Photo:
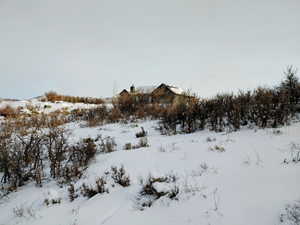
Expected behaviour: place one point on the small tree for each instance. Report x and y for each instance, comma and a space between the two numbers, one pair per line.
290, 86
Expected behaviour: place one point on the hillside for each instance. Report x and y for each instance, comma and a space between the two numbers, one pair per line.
239, 178
42, 107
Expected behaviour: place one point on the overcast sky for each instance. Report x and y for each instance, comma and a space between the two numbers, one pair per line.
88, 47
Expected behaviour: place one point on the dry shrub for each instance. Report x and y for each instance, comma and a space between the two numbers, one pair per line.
9, 112
217, 148
96, 116
54, 97
77, 158
291, 214
107, 144
128, 146
21, 154
90, 191
32, 109
72, 192
26, 146
54, 201
115, 115
119, 176
263, 107
150, 191
143, 133
143, 143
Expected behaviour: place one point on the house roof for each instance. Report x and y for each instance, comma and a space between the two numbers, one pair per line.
124, 90
146, 89
176, 90
150, 88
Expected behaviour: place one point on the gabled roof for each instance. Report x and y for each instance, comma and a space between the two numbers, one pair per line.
124, 91
176, 90
146, 89
173, 89
151, 88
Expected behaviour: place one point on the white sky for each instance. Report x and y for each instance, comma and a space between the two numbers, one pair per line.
83, 47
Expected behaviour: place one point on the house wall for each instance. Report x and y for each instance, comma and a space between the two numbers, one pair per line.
163, 95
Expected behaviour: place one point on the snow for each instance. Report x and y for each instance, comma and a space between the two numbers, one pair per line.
245, 184
45, 107
176, 90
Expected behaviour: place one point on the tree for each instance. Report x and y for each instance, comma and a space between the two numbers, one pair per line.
290, 86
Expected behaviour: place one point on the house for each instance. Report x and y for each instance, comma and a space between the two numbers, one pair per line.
167, 94
154, 94
124, 93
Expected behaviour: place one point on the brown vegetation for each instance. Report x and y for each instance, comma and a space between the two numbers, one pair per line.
55, 97
263, 107
9, 112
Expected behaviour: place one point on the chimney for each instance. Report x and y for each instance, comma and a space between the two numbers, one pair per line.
132, 89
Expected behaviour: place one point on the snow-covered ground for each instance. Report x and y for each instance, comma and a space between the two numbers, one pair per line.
234, 178
45, 107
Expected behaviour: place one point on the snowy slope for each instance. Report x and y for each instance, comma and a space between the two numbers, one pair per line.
45, 107
245, 184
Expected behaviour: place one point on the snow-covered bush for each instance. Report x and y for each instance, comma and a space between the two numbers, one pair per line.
90, 191
128, 146
154, 188
27, 144
21, 154
217, 148
209, 139
52, 198
72, 192
142, 133
23, 211
107, 145
77, 158
119, 176
291, 214
294, 156
143, 142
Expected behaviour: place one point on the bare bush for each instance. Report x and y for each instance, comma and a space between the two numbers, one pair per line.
143, 143
21, 154
9, 112
156, 187
209, 139
119, 176
19, 211
294, 154
263, 107
54, 97
27, 144
72, 192
22, 211
53, 201
57, 146
291, 214
99, 188
78, 157
143, 133
217, 148
128, 146
107, 144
